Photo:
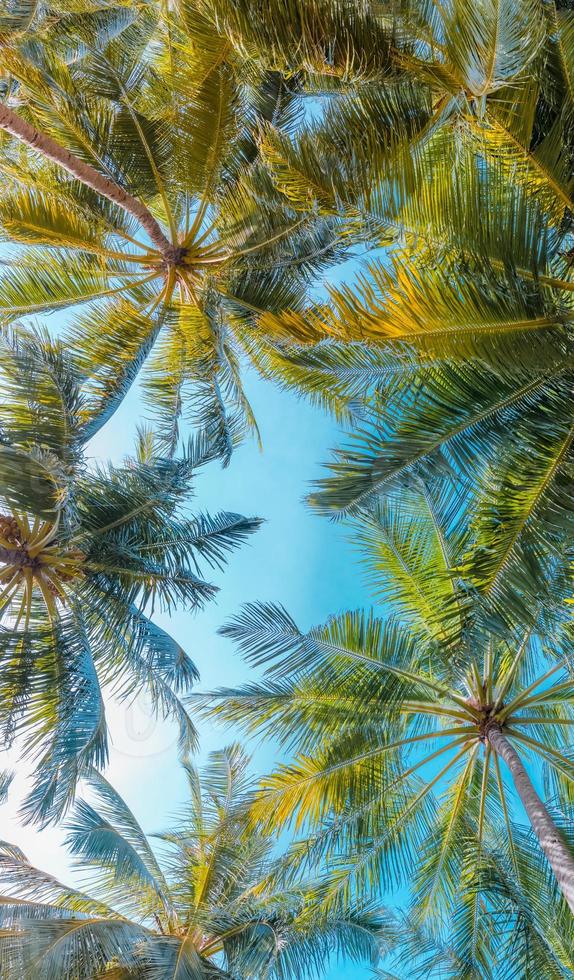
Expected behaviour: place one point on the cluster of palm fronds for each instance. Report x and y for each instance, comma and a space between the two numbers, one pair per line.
177, 177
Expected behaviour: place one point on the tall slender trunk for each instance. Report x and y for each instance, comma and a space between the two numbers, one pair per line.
12, 123
549, 837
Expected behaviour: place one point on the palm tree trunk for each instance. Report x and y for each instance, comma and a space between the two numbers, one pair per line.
12, 123
549, 837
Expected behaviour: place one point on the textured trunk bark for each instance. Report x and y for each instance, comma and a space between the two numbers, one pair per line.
559, 856
12, 123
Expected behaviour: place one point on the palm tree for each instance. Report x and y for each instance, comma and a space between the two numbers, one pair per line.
135, 199
459, 165
437, 697
85, 552
203, 906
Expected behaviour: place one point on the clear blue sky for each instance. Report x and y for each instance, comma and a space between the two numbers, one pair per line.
302, 560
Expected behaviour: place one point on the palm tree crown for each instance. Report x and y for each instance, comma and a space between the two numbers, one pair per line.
204, 907
137, 200
78, 576
407, 727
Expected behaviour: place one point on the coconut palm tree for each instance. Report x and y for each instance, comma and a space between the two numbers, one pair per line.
134, 199
85, 553
411, 727
460, 166
202, 906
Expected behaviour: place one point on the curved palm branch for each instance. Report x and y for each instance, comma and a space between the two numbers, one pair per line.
481, 351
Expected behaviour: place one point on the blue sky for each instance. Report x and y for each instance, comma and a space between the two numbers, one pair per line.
298, 558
